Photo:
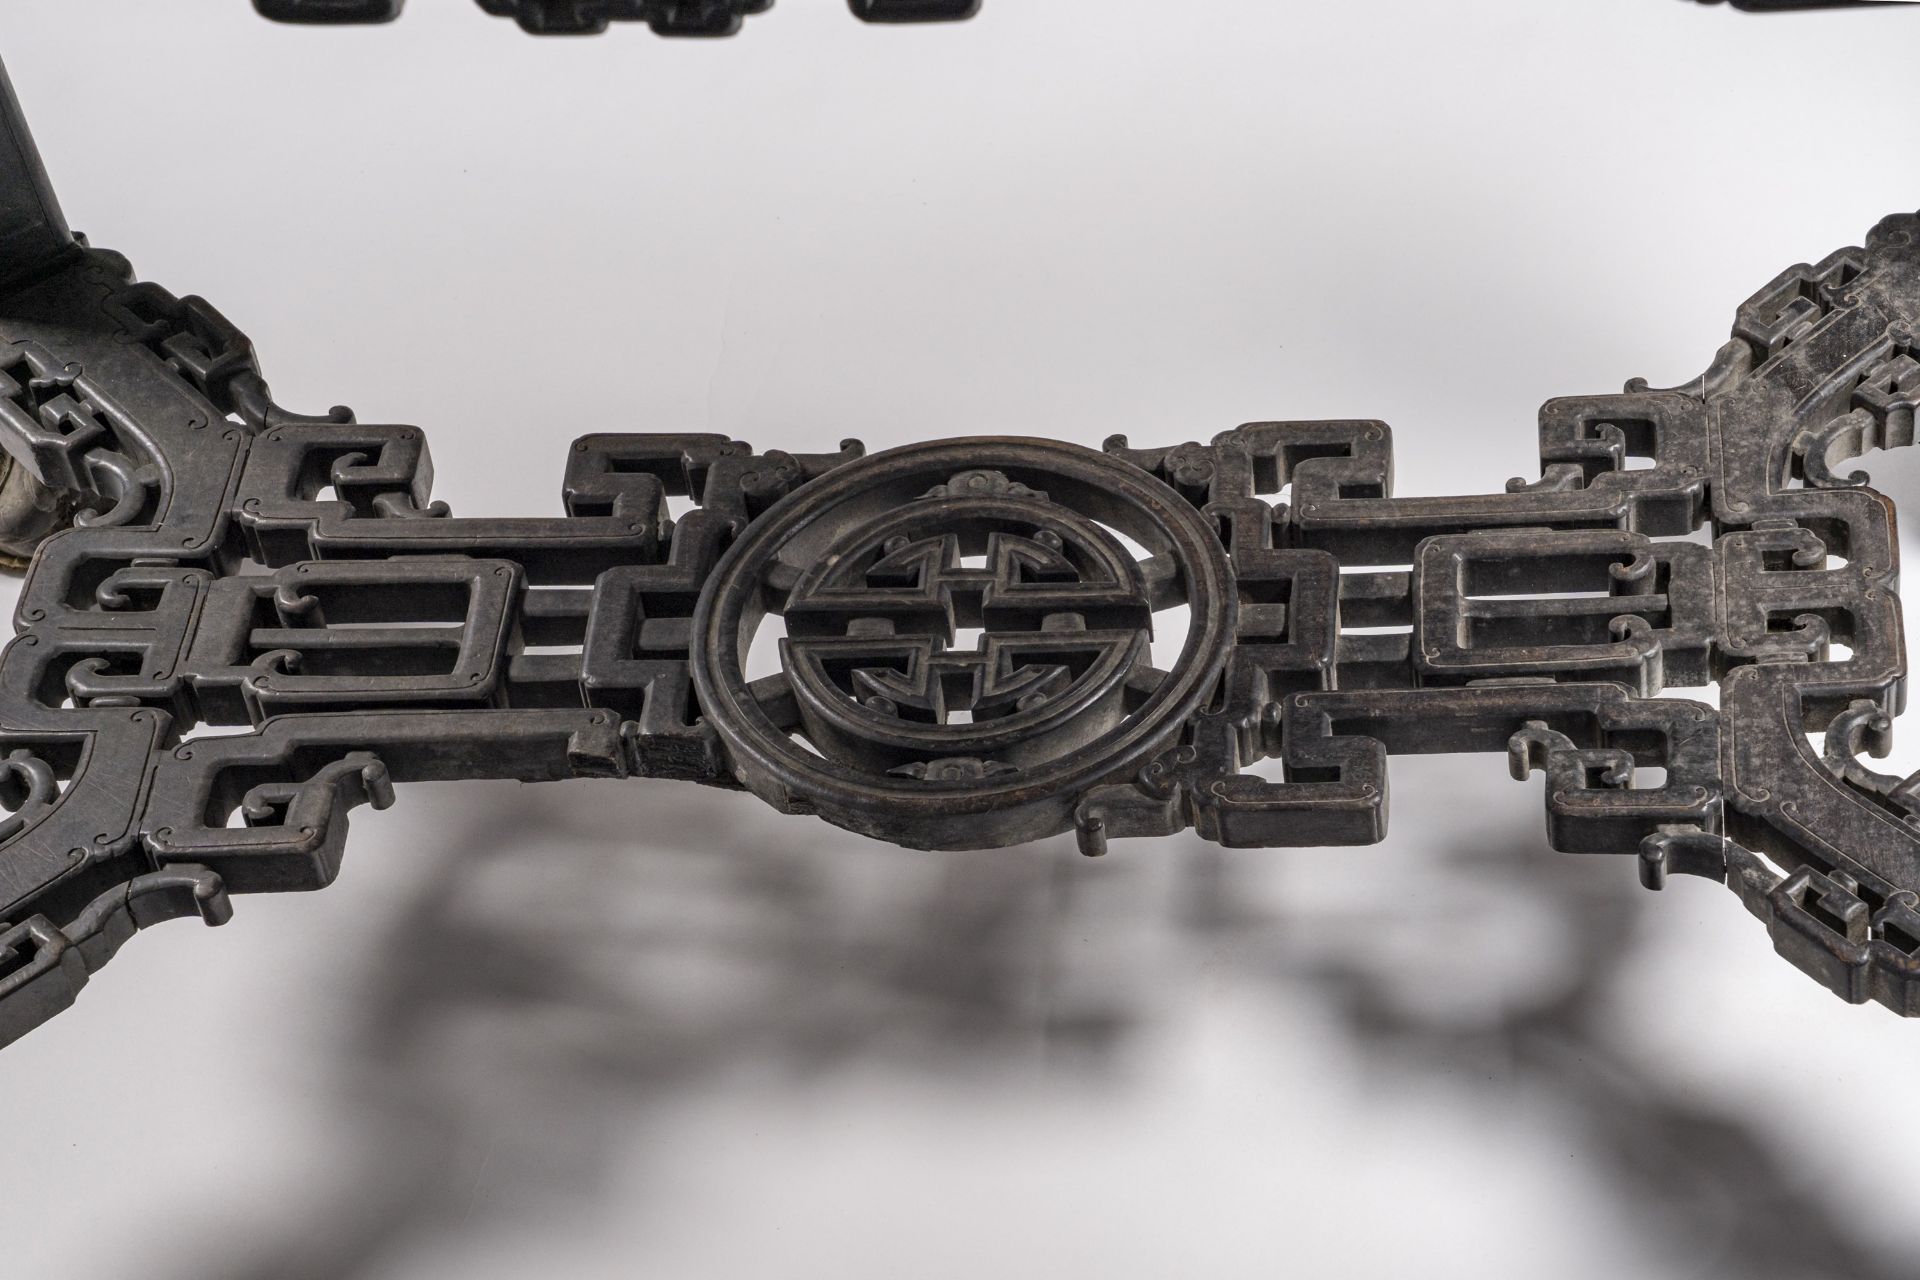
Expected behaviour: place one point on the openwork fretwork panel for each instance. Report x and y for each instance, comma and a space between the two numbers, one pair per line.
962, 643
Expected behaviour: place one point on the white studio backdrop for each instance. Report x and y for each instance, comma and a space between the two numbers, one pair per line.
600, 1030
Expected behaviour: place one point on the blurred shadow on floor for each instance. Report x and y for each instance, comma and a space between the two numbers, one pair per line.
565, 976
566, 968
1707, 1182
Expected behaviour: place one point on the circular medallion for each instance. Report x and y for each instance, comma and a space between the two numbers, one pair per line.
967, 638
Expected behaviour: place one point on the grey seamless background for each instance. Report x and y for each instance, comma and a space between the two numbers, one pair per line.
599, 1030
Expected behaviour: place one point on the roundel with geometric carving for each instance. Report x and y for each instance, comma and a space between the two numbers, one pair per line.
967, 638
